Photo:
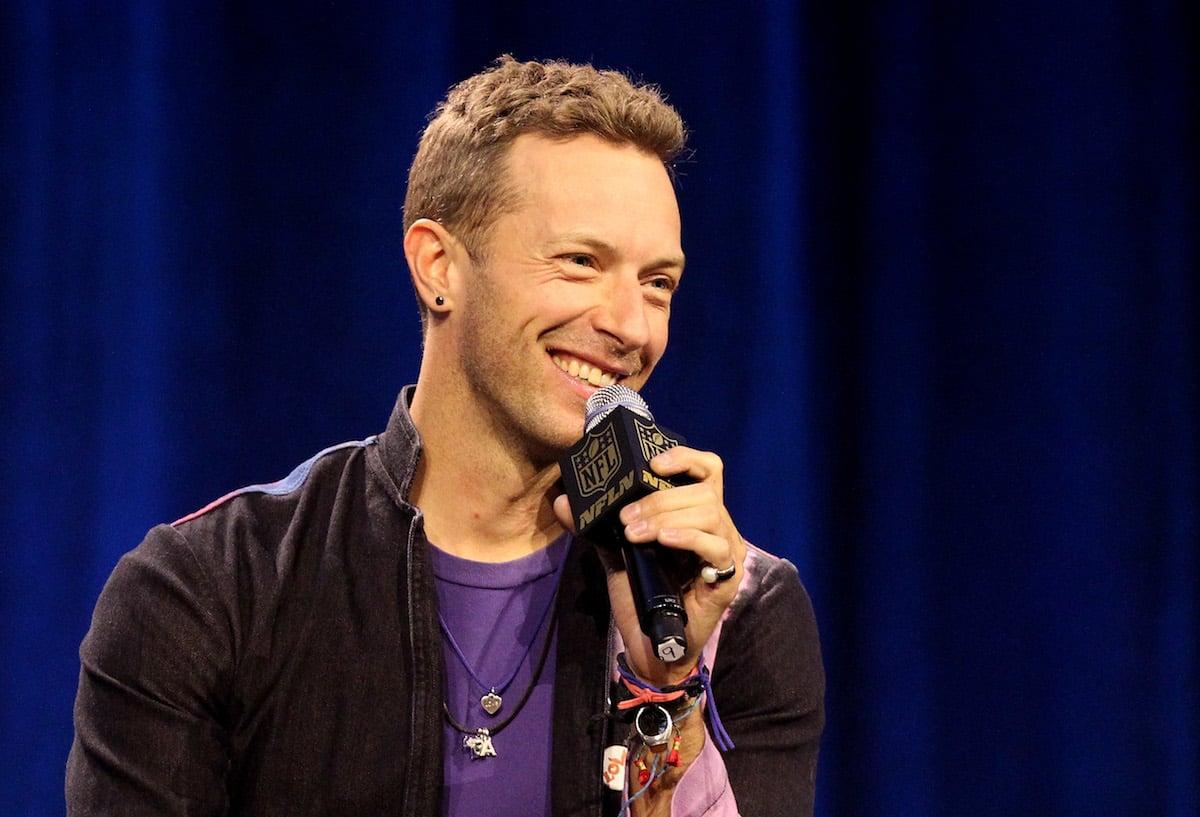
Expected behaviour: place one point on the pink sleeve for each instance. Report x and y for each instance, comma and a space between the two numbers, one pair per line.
704, 789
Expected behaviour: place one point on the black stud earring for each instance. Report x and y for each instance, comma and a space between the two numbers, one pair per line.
440, 301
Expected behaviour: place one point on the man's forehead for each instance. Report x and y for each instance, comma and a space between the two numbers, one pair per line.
593, 190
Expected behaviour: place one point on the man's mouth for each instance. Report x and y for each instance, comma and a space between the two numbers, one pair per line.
587, 372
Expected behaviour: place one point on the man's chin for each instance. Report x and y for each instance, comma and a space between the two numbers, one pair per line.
549, 449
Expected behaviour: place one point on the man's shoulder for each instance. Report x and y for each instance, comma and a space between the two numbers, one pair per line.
246, 557
265, 528
309, 476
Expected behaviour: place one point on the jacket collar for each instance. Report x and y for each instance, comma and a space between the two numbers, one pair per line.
400, 445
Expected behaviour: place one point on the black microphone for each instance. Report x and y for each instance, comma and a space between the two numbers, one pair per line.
604, 472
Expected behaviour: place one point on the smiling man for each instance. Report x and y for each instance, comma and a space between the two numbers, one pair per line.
408, 624
572, 291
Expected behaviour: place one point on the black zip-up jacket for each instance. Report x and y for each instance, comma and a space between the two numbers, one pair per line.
278, 653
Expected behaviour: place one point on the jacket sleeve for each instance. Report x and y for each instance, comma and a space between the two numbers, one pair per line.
155, 665
769, 691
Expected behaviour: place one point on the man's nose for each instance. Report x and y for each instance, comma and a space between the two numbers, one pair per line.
623, 314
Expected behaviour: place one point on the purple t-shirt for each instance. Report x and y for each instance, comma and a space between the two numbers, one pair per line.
493, 611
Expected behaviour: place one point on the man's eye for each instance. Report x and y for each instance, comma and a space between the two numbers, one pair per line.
580, 260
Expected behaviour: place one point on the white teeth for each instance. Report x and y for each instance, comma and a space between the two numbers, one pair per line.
593, 375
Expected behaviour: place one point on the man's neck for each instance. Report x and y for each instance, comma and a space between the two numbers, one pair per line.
476, 514
480, 500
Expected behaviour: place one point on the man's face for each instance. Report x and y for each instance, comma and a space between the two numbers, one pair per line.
576, 290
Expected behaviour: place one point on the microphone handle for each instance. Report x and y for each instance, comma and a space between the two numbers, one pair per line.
657, 601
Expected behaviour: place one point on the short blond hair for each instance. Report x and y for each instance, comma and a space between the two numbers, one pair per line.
458, 177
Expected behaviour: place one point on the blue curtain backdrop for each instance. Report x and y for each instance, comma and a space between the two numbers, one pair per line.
940, 318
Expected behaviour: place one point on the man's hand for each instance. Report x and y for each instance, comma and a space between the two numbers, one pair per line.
690, 517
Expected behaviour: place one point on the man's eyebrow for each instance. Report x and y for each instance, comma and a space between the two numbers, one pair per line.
585, 239
673, 261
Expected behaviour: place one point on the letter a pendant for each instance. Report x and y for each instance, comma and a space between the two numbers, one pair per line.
479, 744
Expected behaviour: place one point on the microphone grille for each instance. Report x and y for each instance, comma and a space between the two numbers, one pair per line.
602, 403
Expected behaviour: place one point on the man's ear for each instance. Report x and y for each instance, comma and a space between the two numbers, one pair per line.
433, 256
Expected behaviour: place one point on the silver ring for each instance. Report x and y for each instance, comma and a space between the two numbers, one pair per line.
713, 576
